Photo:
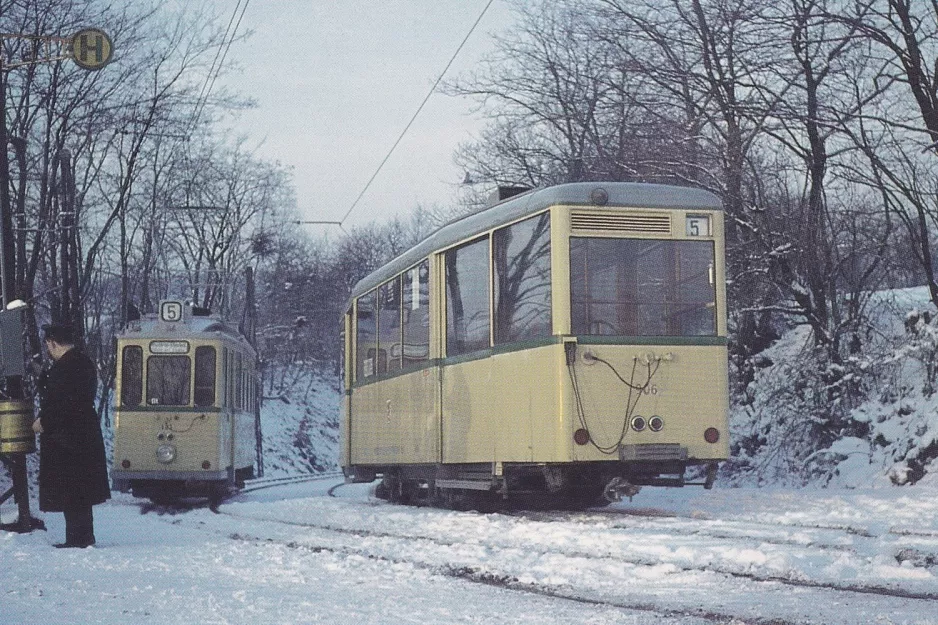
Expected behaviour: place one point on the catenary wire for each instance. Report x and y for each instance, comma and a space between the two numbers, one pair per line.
218, 63
414, 117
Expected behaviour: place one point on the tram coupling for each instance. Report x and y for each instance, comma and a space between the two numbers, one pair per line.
619, 487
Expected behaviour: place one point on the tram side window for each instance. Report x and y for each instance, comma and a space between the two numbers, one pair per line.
521, 254
236, 374
132, 375
168, 380
416, 315
467, 297
366, 343
225, 368
642, 287
245, 390
389, 326
204, 375
344, 355
252, 390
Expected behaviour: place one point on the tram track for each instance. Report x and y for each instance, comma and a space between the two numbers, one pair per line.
582, 518
617, 559
512, 581
274, 482
829, 537
508, 582
916, 547
852, 530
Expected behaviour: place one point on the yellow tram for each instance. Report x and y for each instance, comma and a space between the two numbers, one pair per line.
564, 346
186, 422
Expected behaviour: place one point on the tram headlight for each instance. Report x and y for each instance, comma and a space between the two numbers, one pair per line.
166, 453
638, 423
656, 424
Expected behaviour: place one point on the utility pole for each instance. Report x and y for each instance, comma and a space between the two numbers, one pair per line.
249, 330
90, 49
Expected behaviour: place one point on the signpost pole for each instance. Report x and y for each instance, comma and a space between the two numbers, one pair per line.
90, 49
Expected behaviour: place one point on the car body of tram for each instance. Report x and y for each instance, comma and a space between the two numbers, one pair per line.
186, 422
566, 345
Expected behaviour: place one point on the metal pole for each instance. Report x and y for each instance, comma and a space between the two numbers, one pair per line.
6, 218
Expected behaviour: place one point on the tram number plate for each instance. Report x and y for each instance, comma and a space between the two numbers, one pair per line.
171, 311
697, 226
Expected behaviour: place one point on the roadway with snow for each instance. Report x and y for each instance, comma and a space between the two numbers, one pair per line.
293, 554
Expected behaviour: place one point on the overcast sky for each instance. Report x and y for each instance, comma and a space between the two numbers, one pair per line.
337, 81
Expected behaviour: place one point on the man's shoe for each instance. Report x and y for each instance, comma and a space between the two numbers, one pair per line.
68, 545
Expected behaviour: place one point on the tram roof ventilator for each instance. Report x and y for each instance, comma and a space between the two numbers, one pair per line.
503, 193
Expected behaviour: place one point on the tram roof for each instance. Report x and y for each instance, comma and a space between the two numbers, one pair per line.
195, 327
621, 195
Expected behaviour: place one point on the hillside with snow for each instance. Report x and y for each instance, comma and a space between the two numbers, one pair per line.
871, 420
301, 427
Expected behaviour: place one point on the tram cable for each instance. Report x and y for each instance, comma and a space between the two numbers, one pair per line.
218, 62
416, 113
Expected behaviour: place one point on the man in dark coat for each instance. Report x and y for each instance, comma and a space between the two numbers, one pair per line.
72, 462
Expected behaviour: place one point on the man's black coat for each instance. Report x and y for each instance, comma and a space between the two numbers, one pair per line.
72, 463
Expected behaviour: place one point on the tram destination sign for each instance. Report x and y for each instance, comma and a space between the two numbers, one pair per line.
91, 48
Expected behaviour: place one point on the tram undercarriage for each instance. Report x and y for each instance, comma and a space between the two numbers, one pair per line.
487, 487
170, 489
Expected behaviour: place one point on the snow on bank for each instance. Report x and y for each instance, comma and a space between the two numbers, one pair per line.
301, 428
876, 412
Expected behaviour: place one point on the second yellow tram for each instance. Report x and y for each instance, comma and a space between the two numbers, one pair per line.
186, 422
567, 345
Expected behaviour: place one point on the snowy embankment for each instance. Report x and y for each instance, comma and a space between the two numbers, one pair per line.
871, 420
295, 555
301, 428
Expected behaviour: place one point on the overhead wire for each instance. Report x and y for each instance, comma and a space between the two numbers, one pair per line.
219, 61
416, 113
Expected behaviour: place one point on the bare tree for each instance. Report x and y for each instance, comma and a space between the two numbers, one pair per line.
225, 201
904, 38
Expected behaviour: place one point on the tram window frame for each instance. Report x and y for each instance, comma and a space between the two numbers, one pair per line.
389, 341
131, 376
521, 263
645, 303
239, 387
229, 381
415, 315
226, 397
204, 387
244, 384
156, 373
465, 335
366, 351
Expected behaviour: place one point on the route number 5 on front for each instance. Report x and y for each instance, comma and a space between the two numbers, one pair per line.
698, 226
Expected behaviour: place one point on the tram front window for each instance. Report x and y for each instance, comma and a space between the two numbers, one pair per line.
168, 380
641, 287
132, 376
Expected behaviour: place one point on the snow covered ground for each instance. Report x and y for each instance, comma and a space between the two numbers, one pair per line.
294, 554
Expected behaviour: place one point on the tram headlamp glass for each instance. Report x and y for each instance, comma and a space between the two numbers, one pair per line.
166, 453
638, 423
